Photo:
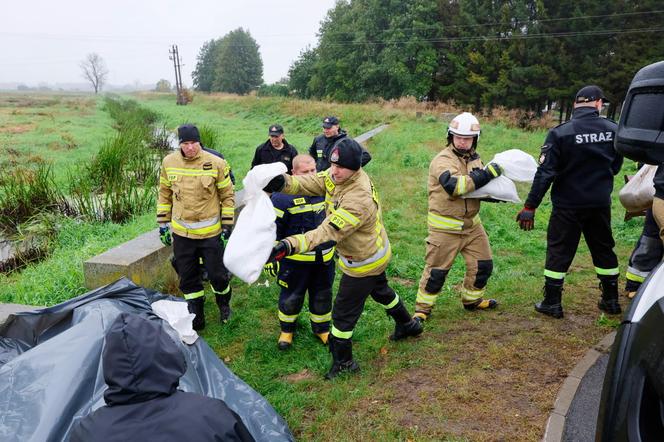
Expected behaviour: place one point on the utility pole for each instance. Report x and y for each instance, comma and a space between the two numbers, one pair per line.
175, 56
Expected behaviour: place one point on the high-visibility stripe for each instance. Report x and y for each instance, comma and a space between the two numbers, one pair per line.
341, 334
194, 295
327, 317
302, 242
329, 184
444, 222
279, 213
287, 318
300, 209
176, 171
164, 207
633, 277
228, 211
554, 275
359, 268
225, 183
493, 171
197, 228
394, 302
607, 272
471, 295
426, 298
460, 187
311, 256
346, 215
164, 181
223, 292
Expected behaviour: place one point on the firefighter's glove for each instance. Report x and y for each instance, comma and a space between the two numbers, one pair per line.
494, 170
276, 184
526, 218
165, 235
280, 250
226, 231
271, 269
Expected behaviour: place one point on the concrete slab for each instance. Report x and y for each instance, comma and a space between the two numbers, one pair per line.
365, 136
144, 260
10, 309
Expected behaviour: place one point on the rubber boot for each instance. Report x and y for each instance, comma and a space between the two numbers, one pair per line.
480, 304
551, 304
224, 304
197, 307
342, 357
609, 300
285, 340
404, 325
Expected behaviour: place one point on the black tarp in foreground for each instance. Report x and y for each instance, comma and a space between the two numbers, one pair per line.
51, 373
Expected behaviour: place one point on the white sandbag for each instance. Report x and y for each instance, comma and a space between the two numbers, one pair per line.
254, 234
177, 315
517, 165
637, 195
501, 188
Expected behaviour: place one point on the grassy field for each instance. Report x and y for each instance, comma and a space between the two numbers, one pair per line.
472, 376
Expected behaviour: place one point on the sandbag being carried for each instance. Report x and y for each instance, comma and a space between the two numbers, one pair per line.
637, 195
252, 240
517, 165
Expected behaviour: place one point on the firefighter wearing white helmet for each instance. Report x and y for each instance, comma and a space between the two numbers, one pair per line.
454, 222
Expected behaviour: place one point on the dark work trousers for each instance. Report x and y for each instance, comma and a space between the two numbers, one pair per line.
187, 252
564, 233
353, 293
298, 278
646, 254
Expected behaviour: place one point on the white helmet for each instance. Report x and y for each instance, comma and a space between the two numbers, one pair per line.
464, 125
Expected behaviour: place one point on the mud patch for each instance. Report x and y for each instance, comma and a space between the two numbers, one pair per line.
17, 129
303, 375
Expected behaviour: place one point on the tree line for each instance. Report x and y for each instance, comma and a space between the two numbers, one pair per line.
523, 54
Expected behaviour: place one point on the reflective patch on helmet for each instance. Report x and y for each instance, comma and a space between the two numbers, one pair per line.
454, 124
475, 127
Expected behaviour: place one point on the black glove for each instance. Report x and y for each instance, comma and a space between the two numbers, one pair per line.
165, 235
280, 250
526, 218
276, 184
494, 169
226, 231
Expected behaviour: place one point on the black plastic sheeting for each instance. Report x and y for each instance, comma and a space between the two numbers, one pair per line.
51, 373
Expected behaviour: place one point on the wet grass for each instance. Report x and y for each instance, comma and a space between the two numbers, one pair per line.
476, 376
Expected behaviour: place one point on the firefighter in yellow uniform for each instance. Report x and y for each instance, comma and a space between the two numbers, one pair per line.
354, 224
454, 222
196, 198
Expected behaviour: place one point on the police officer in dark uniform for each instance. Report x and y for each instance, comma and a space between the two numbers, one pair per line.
309, 271
322, 145
275, 149
579, 161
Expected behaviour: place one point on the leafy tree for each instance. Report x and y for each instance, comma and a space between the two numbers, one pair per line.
301, 75
163, 86
204, 74
94, 70
238, 64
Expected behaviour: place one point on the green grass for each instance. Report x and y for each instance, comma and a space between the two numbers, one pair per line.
472, 376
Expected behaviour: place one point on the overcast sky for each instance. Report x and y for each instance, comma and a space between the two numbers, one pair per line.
45, 40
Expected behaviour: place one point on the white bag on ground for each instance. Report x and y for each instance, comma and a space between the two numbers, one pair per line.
637, 195
254, 234
517, 165
177, 315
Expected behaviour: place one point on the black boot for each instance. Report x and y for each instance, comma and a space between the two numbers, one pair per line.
224, 304
197, 306
342, 357
551, 304
405, 325
609, 300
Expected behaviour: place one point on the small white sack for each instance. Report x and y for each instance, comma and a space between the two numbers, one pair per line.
177, 315
253, 237
517, 165
501, 188
637, 195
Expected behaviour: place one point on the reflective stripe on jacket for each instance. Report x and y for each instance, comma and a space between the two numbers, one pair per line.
195, 195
